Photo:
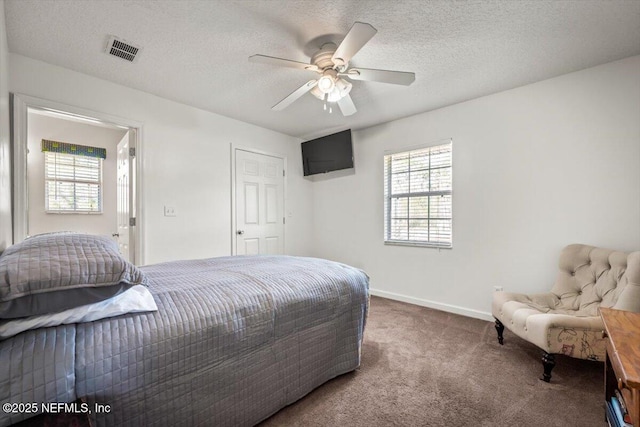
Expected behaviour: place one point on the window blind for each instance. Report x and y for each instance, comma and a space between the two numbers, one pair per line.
73, 183
418, 196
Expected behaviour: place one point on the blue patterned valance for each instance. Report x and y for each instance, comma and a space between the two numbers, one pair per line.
80, 150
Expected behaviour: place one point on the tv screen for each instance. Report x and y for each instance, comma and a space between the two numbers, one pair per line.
328, 153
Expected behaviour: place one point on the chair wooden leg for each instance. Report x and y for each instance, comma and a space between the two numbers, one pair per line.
500, 330
548, 362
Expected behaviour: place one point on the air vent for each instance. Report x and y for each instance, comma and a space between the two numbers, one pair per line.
122, 49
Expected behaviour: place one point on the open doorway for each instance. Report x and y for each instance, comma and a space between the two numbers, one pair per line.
74, 171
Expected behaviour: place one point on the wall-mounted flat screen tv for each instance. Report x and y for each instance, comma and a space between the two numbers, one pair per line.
328, 153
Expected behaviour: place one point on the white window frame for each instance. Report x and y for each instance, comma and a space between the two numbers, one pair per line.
75, 210
388, 197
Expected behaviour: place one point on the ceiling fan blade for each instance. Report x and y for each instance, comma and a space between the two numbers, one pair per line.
295, 95
359, 34
347, 106
383, 76
263, 59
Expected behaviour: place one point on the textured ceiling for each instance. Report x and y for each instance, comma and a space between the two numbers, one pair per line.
195, 52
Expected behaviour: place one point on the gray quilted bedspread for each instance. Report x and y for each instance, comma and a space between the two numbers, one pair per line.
234, 340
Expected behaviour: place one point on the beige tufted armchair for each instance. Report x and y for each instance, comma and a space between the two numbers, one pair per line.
566, 320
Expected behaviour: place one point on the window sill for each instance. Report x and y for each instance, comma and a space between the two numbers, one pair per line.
417, 244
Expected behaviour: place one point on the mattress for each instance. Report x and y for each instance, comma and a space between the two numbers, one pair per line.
234, 340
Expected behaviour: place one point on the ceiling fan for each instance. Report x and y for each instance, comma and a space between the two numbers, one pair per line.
332, 63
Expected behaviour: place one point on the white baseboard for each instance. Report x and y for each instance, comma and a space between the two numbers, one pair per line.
482, 315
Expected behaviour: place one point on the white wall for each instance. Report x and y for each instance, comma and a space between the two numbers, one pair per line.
43, 127
5, 160
187, 163
535, 168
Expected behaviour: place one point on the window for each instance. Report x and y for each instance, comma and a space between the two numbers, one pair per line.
417, 195
73, 183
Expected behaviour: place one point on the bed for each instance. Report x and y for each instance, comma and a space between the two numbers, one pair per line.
233, 340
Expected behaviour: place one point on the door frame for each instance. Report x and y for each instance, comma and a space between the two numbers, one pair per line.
20, 104
234, 236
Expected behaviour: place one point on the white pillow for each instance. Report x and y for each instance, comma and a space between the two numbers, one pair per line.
134, 300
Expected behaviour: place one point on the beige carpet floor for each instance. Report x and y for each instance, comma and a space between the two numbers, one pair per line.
423, 367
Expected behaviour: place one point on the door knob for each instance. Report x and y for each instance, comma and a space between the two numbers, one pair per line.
115, 235
240, 232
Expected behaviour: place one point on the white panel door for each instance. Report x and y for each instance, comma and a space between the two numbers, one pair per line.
259, 204
125, 194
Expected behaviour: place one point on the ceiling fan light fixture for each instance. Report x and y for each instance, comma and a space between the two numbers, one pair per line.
341, 89
326, 83
334, 96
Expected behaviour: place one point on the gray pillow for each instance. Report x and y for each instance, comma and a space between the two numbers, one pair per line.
54, 272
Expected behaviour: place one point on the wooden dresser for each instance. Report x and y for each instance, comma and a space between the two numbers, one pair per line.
622, 364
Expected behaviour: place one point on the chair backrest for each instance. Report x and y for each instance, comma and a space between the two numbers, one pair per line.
591, 277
